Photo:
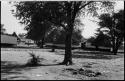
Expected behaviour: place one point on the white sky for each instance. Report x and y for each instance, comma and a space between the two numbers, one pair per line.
90, 27
11, 24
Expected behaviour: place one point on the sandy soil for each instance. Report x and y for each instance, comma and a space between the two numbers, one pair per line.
13, 62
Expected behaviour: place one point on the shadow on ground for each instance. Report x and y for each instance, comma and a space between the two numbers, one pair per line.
22, 47
12, 68
94, 55
8, 67
93, 52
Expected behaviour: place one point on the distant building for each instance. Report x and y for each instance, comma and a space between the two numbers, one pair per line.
8, 39
13, 39
26, 41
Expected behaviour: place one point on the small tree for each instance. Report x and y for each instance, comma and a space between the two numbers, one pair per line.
114, 25
101, 40
34, 60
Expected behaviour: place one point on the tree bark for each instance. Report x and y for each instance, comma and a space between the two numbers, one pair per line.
115, 50
68, 50
114, 47
71, 14
42, 43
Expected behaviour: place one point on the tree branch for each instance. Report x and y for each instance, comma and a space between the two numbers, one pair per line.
58, 24
86, 5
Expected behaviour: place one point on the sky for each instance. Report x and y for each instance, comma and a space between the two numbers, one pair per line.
11, 24
91, 27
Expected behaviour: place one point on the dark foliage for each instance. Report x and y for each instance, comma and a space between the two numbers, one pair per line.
114, 25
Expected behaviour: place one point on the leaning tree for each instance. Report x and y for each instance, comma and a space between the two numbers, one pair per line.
60, 14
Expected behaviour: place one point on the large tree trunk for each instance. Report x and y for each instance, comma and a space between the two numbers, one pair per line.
68, 50
68, 45
71, 13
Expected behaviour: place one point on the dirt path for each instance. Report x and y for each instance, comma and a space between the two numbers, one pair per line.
13, 61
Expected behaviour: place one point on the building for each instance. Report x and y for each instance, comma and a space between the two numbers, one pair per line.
26, 41
7, 39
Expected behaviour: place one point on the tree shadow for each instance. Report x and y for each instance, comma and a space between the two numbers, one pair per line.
15, 78
93, 52
50, 64
12, 68
8, 67
22, 47
93, 55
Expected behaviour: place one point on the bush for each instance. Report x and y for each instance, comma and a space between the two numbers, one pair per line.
34, 61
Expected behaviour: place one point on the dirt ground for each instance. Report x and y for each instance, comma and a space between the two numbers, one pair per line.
88, 65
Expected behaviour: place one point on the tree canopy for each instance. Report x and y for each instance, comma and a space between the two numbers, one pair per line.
113, 26
101, 39
59, 14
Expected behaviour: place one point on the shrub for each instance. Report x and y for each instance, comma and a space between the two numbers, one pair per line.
34, 61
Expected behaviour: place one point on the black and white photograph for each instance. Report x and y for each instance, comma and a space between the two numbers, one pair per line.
62, 39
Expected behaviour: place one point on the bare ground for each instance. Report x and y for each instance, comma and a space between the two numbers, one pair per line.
86, 65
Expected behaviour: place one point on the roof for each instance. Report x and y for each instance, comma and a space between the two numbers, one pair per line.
7, 34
